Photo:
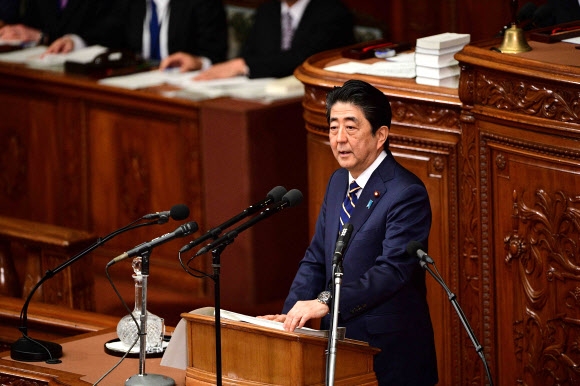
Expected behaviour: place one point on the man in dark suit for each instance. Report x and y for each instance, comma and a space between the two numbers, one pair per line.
197, 27
44, 21
383, 291
317, 25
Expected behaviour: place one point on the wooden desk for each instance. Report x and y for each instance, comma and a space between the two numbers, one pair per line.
84, 361
92, 157
499, 157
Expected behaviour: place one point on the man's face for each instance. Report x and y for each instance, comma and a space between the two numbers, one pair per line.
351, 139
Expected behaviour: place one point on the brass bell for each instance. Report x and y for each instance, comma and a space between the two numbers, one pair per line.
514, 41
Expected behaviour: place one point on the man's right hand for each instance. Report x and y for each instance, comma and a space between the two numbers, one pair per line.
61, 46
277, 318
184, 61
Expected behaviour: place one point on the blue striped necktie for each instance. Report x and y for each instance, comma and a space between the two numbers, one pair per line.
349, 203
155, 53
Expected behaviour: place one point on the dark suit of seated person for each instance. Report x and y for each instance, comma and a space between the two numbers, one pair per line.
9, 12
197, 27
317, 25
44, 21
552, 13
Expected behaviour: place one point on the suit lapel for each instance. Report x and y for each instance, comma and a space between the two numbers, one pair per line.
372, 193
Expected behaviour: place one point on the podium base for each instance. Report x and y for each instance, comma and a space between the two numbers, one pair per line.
149, 380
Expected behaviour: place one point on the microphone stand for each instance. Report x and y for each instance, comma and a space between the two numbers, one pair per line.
31, 350
462, 317
142, 378
216, 264
331, 351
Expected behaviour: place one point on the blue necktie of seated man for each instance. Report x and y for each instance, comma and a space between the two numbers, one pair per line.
349, 203
155, 52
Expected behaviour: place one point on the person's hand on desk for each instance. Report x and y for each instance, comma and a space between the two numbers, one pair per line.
302, 312
61, 46
229, 69
20, 32
184, 61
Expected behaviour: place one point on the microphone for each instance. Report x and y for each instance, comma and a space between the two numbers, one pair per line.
292, 198
181, 231
273, 196
415, 248
342, 242
178, 212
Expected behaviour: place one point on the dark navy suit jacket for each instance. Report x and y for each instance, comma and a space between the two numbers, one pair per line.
197, 27
325, 24
383, 291
76, 18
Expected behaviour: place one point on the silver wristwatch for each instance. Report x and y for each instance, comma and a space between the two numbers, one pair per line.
324, 297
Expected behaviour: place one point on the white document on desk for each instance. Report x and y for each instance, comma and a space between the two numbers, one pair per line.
241, 87
399, 66
23, 55
35, 56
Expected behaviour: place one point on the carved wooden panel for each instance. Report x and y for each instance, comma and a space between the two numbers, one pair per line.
534, 253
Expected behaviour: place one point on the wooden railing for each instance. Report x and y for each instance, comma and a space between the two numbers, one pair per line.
29, 249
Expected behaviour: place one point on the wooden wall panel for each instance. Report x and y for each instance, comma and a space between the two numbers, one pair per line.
535, 218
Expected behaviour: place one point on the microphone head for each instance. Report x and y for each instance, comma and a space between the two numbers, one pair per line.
187, 229
179, 212
413, 247
276, 193
293, 197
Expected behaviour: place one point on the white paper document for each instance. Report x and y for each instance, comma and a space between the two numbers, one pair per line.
263, 90
36, 57
397, 66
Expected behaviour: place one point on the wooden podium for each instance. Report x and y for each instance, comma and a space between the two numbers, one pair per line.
256, 355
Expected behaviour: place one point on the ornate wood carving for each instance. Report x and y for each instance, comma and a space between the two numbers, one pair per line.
545, 246
424, 114
529, 97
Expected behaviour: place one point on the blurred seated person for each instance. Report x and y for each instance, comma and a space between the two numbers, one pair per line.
43, 21
155, 29
9, 11
276, 44
554, 12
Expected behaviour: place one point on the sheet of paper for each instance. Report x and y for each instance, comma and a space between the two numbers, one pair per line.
575, 40
84, 55
22, 56
402, 68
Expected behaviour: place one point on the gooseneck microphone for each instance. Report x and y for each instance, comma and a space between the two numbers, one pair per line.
273, 196
342, 242
415, 248
181, 231
34, 350
177, 212
292, 198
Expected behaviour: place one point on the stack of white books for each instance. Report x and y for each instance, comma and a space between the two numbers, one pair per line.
434, 59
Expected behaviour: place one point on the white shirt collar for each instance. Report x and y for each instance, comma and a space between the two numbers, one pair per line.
364, 176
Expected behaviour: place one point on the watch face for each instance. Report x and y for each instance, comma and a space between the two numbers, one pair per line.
324, 297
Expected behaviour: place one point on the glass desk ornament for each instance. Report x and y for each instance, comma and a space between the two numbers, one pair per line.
127, 329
